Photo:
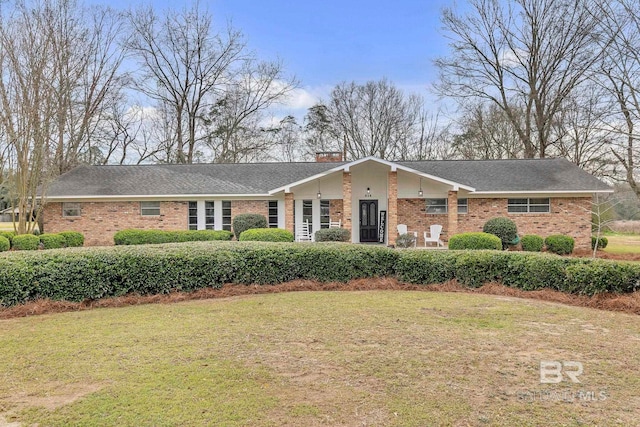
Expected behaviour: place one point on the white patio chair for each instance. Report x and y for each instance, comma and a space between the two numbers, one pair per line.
402, 229
302, 232
433, 235
335, 224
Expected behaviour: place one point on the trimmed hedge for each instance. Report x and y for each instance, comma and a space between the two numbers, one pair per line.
526, 271
5, 244
9, 235
26, 242
266, 235
244, 222
559, 244
475, 241
602, 242
72, 239
332, 235
91, 273
144, 237
504, 228
532, 243
52, 241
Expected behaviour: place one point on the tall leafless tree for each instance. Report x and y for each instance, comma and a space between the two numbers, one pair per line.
59, 69
525, 56
371, 119
620, 75
185, 63
235, 124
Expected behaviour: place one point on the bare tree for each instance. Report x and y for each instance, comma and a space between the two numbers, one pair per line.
582, 138
372, 119
87, 81
59, 69
620, 73
185, 63
486, 133
27, 111
525, 56
235, 123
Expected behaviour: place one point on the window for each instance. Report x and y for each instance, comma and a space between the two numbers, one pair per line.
273, 214
71, 209
307, 214
226, 215
463, 206
149, 208
541, 205
209, 219
324, 213
193, 215
436, 206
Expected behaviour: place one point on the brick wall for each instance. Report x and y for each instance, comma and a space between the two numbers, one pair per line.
249, 206
100, 220
569, 216
335, 210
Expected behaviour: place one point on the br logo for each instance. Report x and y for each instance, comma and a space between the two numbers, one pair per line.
551, 371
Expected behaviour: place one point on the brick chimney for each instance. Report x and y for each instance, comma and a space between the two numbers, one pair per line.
328, 156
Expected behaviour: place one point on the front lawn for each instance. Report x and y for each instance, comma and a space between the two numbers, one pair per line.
623, 244
327, 358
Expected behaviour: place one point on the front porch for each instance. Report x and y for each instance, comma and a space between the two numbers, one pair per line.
370, 198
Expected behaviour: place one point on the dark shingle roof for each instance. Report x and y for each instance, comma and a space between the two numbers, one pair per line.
241, 178
512, 175
260, 178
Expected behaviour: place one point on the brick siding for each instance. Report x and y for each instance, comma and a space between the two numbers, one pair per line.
569, 216
100, 220
335, 210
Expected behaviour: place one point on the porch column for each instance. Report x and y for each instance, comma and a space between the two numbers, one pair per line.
452, 204
392, 214
346, 200
288, 212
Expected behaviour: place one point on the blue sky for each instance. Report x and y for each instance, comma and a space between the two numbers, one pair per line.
326, 42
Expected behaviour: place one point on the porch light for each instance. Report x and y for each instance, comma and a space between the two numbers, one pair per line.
420, 193
319, 194
368, 193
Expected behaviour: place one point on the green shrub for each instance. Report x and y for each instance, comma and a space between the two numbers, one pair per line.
266, 235
144, 237
475, 241
26, 242
8, 235
91, 273
559, 244
602, 242
407, 240
5, 245
72, 239
532, 243
504, 228
52, 241
248, 221
332, 235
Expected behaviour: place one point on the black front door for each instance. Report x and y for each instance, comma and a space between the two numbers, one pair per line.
368, 221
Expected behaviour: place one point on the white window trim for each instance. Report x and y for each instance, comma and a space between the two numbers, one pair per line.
528, 205
446, 206
71, 203
147, 214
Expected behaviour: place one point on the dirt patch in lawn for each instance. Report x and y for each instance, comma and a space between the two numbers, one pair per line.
628, 303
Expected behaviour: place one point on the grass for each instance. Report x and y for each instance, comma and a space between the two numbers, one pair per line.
324, 358
623, 243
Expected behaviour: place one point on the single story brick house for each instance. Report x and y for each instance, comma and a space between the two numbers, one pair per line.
369, 196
